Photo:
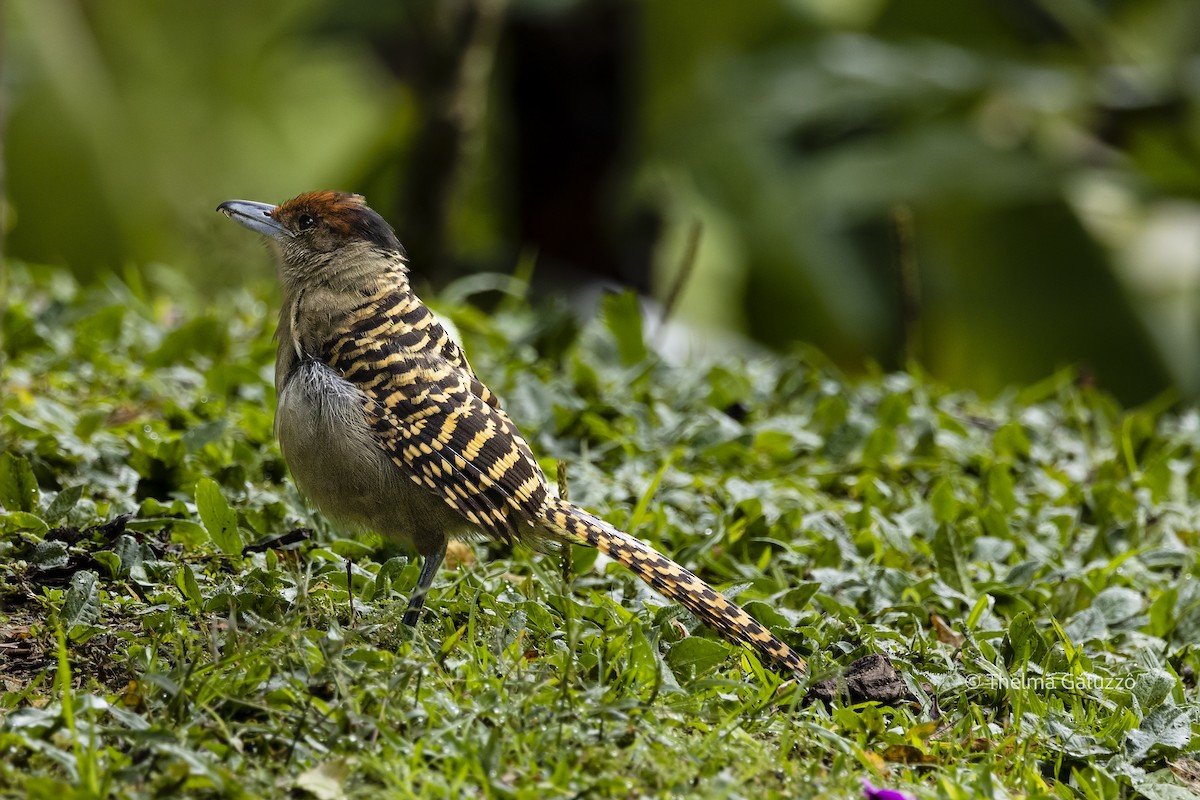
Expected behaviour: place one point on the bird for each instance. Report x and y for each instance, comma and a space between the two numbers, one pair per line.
385, 426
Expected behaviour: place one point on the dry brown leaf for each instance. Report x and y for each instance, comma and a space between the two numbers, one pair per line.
946, 634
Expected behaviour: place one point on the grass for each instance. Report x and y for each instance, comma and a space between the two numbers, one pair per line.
1028, 563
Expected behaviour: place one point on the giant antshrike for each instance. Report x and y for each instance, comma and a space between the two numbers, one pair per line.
385, 425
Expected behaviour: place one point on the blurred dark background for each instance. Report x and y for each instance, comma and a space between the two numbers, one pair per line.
994, 188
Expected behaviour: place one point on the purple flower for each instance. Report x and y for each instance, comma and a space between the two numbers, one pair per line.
871, 793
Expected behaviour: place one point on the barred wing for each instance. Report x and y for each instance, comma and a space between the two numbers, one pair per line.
437, 421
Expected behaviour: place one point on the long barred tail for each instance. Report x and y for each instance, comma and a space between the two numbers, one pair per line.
672, 580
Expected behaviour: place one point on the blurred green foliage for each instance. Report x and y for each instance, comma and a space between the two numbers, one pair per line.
130, 121
1034, 163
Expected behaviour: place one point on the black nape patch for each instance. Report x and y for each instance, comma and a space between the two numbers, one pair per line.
375, 229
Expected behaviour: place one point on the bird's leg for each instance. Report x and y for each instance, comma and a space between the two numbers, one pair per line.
429, 568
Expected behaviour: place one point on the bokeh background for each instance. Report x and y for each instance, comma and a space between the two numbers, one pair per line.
993, 189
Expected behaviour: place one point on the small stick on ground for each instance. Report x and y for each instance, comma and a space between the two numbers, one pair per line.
350, 587
564, 494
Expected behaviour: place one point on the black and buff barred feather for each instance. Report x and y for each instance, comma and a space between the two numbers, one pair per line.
385, 425
434, 418
716, 610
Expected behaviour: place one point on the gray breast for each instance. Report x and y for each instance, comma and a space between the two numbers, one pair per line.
340, 467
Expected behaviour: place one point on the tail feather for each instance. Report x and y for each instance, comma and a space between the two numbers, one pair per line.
672, 580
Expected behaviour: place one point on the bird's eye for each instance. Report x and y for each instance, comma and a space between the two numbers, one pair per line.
306, 221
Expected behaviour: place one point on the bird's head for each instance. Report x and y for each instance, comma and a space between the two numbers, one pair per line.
319, 232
